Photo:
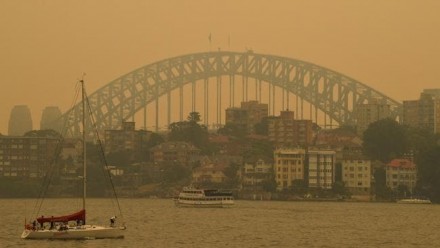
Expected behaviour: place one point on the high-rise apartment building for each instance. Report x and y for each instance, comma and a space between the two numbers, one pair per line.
425, 112
285, 131
249, 114
368, 113
125, 139
410, 115
321, 168
289, 167
315, 168
26, 156
20, 120
356, 175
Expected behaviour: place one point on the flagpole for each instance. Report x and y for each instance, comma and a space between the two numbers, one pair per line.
209, 38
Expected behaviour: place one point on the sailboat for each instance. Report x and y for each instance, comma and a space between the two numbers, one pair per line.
73, 226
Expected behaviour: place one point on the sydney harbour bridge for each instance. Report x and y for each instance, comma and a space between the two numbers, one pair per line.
166, 91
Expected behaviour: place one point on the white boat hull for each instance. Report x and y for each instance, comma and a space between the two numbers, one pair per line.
204, 204
84, 232
414, 201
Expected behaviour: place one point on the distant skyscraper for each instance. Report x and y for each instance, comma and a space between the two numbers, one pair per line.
50, 119
20, 120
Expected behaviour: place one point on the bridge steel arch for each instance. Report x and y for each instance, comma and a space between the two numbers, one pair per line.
331, 92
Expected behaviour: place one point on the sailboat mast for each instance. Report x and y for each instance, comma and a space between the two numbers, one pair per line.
83, 97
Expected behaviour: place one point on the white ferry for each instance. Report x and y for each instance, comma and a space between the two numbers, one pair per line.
213, 198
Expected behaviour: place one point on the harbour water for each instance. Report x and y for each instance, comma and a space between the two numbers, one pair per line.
158, 223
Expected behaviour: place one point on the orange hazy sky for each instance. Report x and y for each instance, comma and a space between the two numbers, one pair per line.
46, 45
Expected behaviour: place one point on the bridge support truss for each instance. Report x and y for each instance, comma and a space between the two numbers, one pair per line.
276, 80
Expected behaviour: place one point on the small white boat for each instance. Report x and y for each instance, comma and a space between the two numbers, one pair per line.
210, 198
414, 201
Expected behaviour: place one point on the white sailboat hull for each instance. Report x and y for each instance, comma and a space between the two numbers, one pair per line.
84, 232
414, 201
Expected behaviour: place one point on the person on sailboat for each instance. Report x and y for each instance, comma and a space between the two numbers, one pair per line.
112, 221
51, 223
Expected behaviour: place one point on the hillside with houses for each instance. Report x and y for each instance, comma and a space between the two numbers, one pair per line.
258, 157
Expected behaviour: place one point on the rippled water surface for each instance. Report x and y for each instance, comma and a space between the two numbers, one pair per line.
158, 223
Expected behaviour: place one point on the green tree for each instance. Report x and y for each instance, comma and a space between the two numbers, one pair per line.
174, 172
419, 139
194, 117
299, 186
384, 140
380, 188
190, 131
120, 158
234, 130
269, 185
144, 153
402, 191
231, 171
339, 188
155, 139
428, 163
97, 177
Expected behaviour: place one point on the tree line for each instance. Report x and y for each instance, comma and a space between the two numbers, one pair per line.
387, 139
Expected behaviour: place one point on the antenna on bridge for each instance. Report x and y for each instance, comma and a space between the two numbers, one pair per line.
82, 77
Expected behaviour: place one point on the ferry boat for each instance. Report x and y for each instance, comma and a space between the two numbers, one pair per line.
212, 198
